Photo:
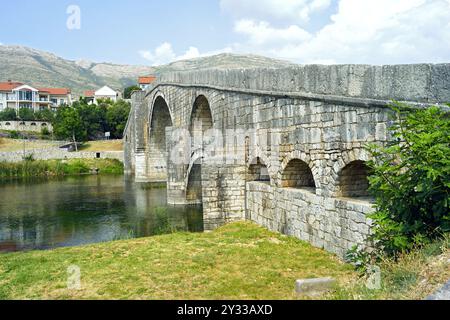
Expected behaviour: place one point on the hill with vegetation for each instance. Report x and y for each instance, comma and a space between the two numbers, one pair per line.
44, 69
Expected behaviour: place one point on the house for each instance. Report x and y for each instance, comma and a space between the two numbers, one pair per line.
16, 95
145, 82
102, 93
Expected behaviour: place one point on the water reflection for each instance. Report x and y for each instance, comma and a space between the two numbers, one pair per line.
43, 214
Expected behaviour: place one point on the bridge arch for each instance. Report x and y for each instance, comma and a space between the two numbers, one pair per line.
201, 121
160, 118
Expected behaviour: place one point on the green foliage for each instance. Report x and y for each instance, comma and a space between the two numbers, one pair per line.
69, 125
127, 92
360, 259
45, 115
45, 132
8, 114
411, 180
39, 168
117, 117
14, 134
93, 118
90, 122
26, 114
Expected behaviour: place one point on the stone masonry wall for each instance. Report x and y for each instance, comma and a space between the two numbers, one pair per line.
335, 224
306, 126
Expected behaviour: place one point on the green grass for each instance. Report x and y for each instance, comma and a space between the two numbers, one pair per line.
41, 168
237, 261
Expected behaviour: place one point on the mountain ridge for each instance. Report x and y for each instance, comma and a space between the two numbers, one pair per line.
45, 69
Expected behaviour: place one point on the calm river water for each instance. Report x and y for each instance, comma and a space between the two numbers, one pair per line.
45, 214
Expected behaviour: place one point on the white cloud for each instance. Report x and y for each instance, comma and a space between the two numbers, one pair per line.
371, 31
164, 54
261, 33
298, 10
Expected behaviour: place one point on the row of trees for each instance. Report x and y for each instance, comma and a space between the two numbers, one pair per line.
26, 115
81, 121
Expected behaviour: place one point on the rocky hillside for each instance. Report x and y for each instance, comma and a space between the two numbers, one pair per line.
40, 68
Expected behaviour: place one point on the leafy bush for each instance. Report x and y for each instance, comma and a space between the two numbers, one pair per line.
411, 180
26, 114
45, 132
8, 114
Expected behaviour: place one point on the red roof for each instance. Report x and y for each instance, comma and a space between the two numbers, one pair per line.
9, 86
147, 80
56, 91
89, 93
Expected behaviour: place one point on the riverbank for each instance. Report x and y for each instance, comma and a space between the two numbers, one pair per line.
47, 168
238, 261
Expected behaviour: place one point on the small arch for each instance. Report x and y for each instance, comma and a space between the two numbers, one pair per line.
353, 180
258, 171
44, 125
22, 123
298, 174
33, 124
7, 124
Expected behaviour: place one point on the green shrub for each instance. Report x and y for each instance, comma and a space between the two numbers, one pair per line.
14, 134
45, 132
8, 114
411, 180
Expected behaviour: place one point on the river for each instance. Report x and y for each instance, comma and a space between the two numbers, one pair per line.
72, 211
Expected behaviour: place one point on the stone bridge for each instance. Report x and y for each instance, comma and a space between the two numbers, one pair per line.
281, 147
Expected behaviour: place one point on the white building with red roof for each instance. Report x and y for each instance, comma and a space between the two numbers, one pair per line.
16, 95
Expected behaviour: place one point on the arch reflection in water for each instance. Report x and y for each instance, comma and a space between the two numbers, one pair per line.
44, 214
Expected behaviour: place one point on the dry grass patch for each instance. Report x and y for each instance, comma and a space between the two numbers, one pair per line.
107, 145
12, 145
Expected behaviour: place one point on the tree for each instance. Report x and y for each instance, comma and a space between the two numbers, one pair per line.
69, 125
411, 180
117, 117
127, 92
93, 118
26, 114
8, 114
45, 115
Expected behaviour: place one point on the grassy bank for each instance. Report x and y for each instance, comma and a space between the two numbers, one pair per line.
40, 168
238, 261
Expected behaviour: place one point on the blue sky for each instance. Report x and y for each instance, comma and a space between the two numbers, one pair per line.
303, 31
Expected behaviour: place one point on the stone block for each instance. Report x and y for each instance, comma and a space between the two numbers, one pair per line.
314, 287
